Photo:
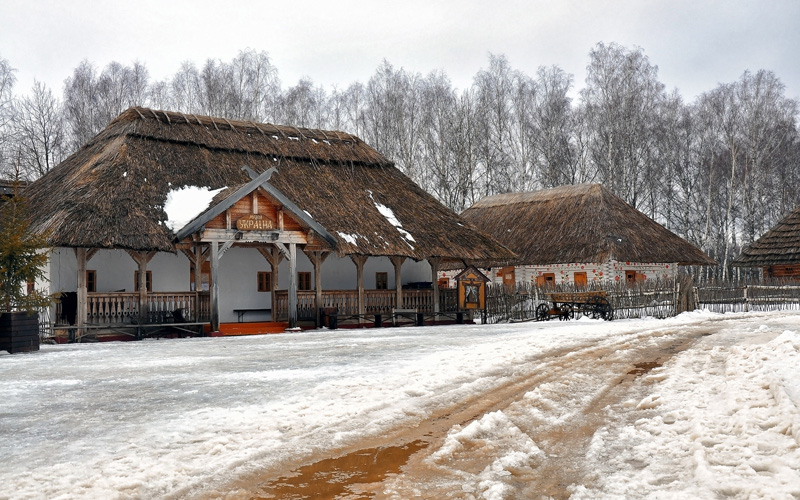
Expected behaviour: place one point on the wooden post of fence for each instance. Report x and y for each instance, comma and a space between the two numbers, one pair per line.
746, 302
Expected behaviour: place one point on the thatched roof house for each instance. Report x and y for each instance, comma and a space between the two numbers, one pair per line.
778, 250
583, 223
111, 193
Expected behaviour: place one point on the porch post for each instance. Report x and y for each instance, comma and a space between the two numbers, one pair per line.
214, 286
434, 262
198, 269
397, 262
317, 258
275, 263
359, 261
292, 285
82, 306
144, 315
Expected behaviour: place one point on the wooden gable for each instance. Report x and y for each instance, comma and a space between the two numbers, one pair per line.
256, 211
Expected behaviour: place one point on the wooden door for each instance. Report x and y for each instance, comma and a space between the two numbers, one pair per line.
508, 275
546, 279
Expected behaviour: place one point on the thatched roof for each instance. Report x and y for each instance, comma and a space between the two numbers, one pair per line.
580, 223
111, 192
778, 246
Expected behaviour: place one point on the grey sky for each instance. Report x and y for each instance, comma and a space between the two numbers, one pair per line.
696, 44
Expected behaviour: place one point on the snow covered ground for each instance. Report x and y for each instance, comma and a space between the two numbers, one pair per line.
187, 418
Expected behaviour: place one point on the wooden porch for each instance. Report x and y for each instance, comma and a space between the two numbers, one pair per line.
345, 302
118, 311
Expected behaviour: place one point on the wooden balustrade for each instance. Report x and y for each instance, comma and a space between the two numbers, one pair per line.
118, 308
376, 302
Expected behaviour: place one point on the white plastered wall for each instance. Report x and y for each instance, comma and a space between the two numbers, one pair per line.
238, 270
612, 271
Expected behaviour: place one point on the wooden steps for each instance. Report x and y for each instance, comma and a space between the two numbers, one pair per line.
230, 329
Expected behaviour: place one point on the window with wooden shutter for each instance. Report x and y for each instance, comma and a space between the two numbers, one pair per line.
264, 281
91, 281
304, 281
148, 281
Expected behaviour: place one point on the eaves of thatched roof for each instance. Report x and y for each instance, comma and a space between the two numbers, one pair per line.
111, 192
778, 246
579, 223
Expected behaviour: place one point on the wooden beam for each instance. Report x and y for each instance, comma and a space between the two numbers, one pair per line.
359, 261
292, 285
199, 260
317, 258
82, 312
214, 287
435, 262
223, 235
143, 306
397, 262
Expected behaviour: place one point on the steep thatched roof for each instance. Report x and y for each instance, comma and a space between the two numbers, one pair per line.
780, 245
111, 192
581, 223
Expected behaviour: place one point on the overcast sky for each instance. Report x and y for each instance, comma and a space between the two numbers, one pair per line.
696, 44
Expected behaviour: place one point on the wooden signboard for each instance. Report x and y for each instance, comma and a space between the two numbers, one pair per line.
255, 222
471, 285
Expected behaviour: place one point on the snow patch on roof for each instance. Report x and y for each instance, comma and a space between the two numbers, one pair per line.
185, 203
350, 238
389, 214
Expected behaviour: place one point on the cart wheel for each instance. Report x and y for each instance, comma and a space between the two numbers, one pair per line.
542, 312
566, 312
605, 310
594, 307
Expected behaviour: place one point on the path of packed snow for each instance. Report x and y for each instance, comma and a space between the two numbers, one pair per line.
180, 418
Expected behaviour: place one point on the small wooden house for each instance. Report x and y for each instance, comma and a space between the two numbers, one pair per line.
579, 234
777, 252
267, 192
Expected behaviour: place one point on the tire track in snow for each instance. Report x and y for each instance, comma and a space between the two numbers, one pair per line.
574, 384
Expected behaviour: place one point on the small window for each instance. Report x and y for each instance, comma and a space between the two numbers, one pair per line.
148, 281
264, 281
304, 281
91, 281
546, 279
381, 281
31, 286
579, 279
444, 283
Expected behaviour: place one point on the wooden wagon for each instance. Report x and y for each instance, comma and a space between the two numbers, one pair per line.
566, 305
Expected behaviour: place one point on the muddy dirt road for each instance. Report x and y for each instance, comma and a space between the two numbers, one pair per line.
538, 425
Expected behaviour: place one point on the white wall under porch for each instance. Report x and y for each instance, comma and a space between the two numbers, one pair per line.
238, 275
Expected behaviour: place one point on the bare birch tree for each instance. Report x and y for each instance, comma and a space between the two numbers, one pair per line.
40, 125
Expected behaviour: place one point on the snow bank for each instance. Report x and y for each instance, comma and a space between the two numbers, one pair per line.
723, 420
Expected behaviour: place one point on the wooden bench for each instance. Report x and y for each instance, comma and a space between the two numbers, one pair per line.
404, 313
240, 313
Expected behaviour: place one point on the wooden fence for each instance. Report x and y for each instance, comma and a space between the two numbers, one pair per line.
658, 299
646, 299
753, 296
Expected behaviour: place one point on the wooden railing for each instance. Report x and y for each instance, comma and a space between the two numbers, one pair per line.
117, 308
375, 302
